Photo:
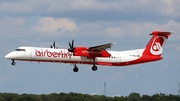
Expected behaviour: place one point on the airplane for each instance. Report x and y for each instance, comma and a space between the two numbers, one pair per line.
96, 55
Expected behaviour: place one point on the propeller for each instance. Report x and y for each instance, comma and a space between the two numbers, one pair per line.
54, 45
71, 46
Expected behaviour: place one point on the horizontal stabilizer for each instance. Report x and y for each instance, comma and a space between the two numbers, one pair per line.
160, 33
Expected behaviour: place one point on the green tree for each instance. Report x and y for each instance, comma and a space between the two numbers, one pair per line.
7, 96
27, 97
146, 98
120, 98
134, 97
85, 97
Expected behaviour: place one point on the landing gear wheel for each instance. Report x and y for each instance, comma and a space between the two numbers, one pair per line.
94, 68
75, 69
13, 63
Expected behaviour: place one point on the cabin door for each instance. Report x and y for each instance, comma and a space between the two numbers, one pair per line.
32, 55
118, 58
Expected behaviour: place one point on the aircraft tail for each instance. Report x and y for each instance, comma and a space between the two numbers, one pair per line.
156, 44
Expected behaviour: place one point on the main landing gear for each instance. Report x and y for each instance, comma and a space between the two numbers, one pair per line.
94, 67
13, 63
76, 69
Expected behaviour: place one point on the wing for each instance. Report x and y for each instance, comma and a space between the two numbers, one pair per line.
101, 47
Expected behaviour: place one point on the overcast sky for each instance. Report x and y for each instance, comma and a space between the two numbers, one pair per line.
89, 23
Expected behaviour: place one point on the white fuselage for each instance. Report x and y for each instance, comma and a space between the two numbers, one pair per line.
63, 56
96, 55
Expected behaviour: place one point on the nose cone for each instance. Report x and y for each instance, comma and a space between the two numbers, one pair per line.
9, 56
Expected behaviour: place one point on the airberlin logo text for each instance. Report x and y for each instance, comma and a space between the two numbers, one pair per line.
156, 47
55, 54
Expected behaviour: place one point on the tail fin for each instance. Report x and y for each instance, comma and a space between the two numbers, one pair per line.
156, 44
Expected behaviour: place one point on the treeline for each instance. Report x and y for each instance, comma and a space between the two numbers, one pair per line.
85, 97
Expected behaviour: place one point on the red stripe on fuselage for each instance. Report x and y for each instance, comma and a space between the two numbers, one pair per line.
143, 59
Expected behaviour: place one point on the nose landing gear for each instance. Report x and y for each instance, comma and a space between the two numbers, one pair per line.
13, 63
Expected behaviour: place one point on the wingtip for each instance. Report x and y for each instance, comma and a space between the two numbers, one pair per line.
172, 32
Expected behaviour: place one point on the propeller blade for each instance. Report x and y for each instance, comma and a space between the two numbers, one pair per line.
72, 43
54, 44
71, 46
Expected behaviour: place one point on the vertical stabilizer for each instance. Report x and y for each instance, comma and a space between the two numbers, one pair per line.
156, 44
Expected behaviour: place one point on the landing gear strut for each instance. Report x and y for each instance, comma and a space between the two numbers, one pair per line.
13, 63
94, 67
75, 69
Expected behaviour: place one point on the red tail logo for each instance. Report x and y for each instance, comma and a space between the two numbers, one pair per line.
157, 44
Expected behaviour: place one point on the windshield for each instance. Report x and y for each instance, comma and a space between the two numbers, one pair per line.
20, 50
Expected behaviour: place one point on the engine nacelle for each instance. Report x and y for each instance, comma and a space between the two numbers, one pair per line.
83, 51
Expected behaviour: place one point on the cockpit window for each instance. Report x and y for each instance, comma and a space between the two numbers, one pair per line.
20, 50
